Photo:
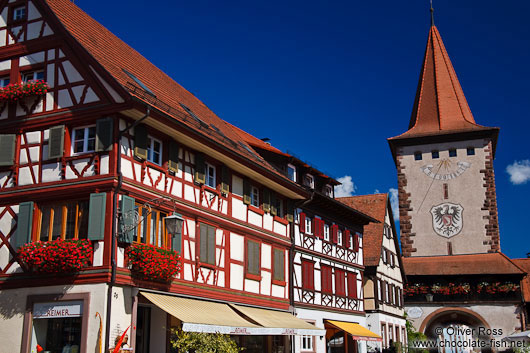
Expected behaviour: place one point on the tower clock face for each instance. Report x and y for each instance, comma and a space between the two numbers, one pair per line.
445, 169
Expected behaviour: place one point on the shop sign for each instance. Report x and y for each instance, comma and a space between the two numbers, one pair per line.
56, 310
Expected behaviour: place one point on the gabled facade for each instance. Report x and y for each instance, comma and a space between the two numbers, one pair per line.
112, 149
384, 276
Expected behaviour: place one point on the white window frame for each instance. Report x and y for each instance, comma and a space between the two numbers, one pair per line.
308, 224
310, 181
4, 81
339, 237
306, 339
328, 190
290, 166
31, 76
19, 13
150, 149
210, 176
85, 140
384, 255
326, 232
351, 241
254, 196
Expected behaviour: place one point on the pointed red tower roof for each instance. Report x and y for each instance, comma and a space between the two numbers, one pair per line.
440, 107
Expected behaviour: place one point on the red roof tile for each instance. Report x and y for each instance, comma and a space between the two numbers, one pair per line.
374, 206
525, 283
115, 56
440, 105
473, 264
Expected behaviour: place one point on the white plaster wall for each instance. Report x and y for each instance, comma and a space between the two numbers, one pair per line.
373, 323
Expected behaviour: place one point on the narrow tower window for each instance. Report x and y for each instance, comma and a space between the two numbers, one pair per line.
435, 154
452, 152
470, 151
417, 156
446, 191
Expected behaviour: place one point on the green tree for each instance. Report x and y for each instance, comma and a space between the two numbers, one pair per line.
198, 342
414, 336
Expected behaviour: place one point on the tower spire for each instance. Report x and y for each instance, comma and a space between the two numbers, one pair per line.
432, 15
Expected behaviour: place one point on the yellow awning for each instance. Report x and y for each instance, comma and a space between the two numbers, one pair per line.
357, 331
279, 322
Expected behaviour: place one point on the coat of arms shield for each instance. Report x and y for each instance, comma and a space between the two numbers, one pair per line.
447, 219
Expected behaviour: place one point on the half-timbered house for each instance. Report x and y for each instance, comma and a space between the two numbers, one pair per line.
110, 150
383, 275
327, 259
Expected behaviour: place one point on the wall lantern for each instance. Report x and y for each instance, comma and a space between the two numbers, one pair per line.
174, 223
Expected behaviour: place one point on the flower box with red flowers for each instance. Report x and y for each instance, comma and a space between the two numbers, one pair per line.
17, 91
58, 256
151, 263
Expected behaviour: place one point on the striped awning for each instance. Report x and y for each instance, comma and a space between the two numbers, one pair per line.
211, 317
357, 331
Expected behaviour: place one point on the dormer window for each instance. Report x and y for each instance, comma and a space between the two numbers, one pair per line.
32, 76
291, 172
19, 13
328, 191
309, 180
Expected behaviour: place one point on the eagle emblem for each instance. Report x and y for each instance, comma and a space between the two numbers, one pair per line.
447, 219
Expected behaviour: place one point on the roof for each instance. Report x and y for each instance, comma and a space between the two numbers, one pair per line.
117, 58
525, 283
374, 206
473, 264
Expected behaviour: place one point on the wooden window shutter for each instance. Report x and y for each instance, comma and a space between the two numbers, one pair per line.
266, 205
96, 216
279, 265
316, 228
56, 142
203, 256
200, 168
253, 257
246, 191
339, 282
346, 238
289, 211
104, 134
127, 219
301, 225
173, 162
24, 225
356, 242
7, 149
335, 233
274, 209
140, 141
225, 180
211, 245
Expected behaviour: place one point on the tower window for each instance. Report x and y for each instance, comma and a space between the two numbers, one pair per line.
19, 13
470, 151
435, 154
452, 152
417, 156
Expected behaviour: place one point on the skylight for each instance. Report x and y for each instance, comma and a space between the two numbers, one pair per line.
249, 150
139, 83
193, 115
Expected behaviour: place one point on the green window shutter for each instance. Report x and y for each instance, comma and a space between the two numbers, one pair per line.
225, 180
56, 142
24, 225
176, 242
200, 168
7, 149
279, 265
127, 224
104, 134
246, 191
211, 245
173, 163
140, 142
204, 243
274, 209
289, 214
266, 200
96, 216
253, 257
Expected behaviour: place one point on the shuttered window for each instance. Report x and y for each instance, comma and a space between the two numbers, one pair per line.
200, 168
246, 192
340, 282
207, 244
24, 225
334, 233
308, 274
279, 265
56, 142
346, 239
301, 223
356, 242
7, 149
327, 285
173, 162
140, 142
225, 180
84, 140
104, 134
352, 285
63, 220
253, 257
151, 228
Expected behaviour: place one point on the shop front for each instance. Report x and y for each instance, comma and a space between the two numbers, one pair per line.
255, 329
344, 337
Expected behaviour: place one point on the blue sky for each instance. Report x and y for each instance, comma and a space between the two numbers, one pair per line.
330, 80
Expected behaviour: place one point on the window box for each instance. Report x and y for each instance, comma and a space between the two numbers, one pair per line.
17, 91
252, 276
151, 263
59, 256
256, 210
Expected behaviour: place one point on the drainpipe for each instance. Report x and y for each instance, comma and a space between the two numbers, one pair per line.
291, 260
114, 227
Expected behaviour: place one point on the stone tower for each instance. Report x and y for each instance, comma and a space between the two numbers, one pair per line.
447, 199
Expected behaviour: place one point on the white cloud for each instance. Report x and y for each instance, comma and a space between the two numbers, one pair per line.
376, 191
519, 172
347, 188
394, 203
